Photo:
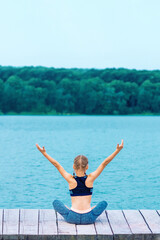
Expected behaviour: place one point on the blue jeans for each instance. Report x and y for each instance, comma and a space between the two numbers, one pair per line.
71, 216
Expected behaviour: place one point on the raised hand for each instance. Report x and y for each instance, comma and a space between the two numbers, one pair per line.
42, 150
119, 147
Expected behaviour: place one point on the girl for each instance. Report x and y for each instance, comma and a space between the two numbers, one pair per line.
80, 187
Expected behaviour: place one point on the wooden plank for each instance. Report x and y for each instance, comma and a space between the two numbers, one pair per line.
1, 215
11, 224
137, 224
47, 223
29, 223
119, 225
65, 230
86, 232
153, 220
103, 228
157, 238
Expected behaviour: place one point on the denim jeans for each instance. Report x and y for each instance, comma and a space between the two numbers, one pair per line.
71, 216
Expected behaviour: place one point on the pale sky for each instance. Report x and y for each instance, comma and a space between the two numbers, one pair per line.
80, 33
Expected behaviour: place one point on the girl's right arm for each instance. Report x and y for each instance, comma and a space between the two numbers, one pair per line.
67, 176
92, 176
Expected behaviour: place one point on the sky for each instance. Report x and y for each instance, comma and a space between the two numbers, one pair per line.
80, 33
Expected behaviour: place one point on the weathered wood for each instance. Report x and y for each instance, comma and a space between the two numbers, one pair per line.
44, 224
65, 230
1, 215
86, 232
119, 225
118, 222
11, 224
137, 224
29, 223
153, 220
47, 224
103, 228
155, 237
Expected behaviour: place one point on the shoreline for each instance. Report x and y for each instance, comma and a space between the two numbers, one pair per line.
75, 114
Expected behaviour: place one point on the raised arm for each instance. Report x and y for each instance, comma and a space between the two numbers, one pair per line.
63, 172
92, 176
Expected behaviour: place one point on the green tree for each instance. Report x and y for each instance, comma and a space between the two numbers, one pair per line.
12, 97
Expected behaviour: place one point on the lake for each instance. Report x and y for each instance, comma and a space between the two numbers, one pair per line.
130, 181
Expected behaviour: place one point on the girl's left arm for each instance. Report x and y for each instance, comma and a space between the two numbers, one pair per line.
67, 176
92, 176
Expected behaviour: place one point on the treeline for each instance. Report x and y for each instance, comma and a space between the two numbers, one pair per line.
79, 91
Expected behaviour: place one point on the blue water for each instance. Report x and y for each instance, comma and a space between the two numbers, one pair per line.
130, 181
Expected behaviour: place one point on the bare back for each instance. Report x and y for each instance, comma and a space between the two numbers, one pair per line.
81, 202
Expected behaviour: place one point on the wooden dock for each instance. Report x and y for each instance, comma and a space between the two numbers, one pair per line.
111, 225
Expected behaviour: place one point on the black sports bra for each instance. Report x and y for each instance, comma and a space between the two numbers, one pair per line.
81, 189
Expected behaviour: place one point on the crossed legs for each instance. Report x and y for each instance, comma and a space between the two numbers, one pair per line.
78, 218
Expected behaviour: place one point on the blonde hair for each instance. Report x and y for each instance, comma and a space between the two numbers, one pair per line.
80, 162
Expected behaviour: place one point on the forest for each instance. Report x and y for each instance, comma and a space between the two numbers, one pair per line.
110, 91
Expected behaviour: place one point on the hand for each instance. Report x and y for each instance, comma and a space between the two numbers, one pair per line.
42, 150
119, 147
